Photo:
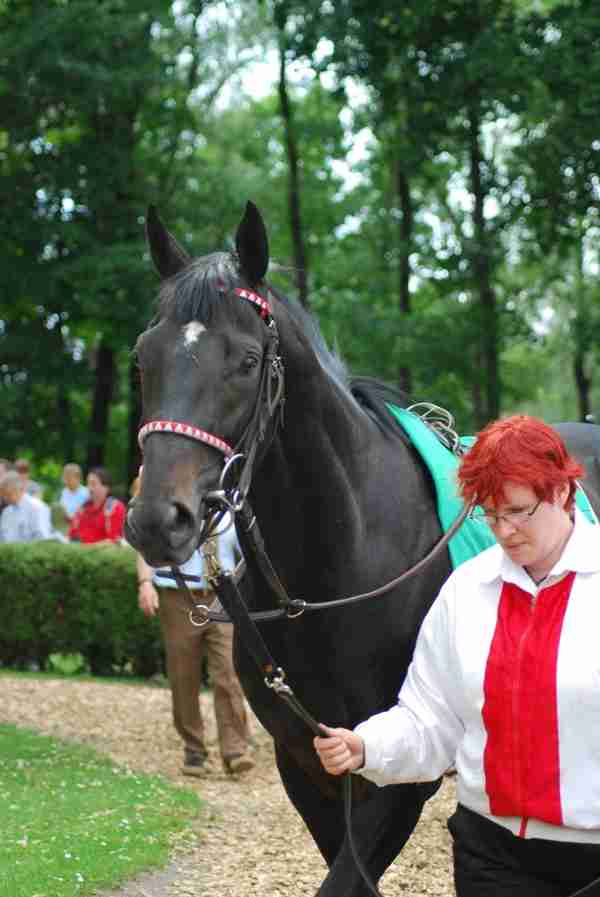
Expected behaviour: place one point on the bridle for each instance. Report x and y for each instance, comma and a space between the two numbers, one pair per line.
267, 414
266, 417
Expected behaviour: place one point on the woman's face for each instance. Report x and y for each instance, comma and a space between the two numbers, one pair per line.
536, 538
98, 491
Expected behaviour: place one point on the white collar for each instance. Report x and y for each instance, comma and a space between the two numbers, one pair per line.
581, 554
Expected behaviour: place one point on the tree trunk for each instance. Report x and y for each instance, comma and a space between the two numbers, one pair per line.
300, 257
405, 236
482, 274
65, 416
476, 396
106, 372
583, 383
581, 329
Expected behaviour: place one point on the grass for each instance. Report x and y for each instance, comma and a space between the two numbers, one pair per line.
72, 821
75, 676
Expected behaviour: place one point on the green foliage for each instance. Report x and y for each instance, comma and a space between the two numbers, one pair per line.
66, 664
73, 822
70, 598
485, 114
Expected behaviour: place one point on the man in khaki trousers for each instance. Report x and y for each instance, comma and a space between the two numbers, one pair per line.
185, 645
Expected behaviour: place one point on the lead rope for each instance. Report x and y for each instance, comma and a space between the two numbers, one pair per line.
592, 889
274, 678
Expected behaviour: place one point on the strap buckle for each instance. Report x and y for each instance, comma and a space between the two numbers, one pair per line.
275, 680
299, 604
204, 612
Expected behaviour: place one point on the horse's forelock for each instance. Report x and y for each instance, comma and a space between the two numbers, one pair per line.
197, 292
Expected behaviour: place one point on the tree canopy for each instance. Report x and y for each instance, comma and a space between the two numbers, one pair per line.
429, 174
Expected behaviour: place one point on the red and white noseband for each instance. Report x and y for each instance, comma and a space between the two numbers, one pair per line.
181, 429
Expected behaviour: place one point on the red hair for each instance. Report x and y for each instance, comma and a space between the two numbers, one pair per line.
522, 450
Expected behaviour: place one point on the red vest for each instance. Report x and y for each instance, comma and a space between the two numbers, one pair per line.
94, 524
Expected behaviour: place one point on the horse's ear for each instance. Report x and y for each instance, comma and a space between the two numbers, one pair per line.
168, 256
252, 245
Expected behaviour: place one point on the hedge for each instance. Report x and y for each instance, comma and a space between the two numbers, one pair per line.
68, 598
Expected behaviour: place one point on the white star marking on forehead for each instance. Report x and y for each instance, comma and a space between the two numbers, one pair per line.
192, 331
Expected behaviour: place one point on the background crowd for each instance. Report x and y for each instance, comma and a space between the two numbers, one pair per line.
89, 514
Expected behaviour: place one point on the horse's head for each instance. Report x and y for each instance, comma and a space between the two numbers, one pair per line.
206, 364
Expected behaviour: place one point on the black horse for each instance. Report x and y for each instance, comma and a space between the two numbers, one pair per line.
342, 500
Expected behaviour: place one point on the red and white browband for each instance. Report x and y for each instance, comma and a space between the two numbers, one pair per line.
265, 308
182, 429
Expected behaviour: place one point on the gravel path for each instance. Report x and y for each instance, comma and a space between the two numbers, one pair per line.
251, 843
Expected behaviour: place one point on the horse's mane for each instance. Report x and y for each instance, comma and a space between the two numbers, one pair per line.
369, 394
373, 396
330, 361
197, 292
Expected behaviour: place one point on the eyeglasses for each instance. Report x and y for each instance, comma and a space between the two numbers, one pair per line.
515, 518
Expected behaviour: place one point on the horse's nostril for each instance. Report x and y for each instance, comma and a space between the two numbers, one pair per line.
171, 516
179, 523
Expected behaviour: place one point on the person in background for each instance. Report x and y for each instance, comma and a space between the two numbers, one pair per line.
22, 467
74, 494
504, 681
99, 521
24, 518
184, 646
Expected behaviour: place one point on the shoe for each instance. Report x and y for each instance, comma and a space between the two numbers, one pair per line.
238, 763
193, 761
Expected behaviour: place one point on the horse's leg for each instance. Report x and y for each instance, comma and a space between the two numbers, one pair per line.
323, 818
381, 826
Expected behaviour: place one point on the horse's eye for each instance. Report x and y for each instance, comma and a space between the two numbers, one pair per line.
248, 364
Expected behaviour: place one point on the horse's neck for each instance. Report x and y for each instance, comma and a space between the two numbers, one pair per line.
324, 427
307, 489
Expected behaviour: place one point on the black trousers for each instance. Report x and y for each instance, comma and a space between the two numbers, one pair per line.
489, 861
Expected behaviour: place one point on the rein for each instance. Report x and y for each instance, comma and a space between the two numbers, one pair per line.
295, 607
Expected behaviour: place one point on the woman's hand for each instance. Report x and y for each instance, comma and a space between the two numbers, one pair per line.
340, 750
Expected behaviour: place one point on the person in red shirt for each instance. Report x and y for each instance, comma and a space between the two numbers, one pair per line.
99, 520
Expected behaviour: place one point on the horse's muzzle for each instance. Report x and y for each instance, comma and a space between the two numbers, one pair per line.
164, 532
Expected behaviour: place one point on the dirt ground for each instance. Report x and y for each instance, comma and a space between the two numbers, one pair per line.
250, 841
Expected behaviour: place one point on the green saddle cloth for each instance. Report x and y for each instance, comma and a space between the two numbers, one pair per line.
473, 536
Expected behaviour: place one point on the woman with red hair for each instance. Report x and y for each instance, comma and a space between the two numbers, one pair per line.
505, 680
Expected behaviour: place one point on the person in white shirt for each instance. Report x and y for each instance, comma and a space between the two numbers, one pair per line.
505, 680
24, 518
185, 645
74, 494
